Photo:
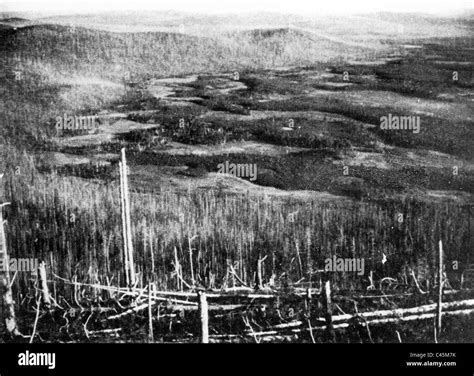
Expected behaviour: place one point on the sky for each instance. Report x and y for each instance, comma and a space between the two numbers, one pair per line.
307, 7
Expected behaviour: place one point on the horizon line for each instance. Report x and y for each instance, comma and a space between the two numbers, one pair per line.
464, 12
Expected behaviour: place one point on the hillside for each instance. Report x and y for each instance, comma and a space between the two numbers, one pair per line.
96, 52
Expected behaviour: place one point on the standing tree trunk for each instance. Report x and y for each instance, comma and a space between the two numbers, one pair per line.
204, 315
128, 222
328, 308
259, 274
124, 227
150, 317
440, 294
8, 305
44, 285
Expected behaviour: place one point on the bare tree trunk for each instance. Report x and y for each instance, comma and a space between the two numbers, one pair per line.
308, 313
177, 268
328, 306
150, 318
191, 266
44, 285
128, 223
259, 276
8, 304
440, 293
204, 315
124, 226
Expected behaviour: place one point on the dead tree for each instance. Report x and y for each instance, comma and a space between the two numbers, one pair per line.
440, 294
259, 274
204, 316
331, 337
44, 285
126, 221
8, 314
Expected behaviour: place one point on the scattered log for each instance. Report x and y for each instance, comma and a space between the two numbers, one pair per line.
423, 316
401, 312
105, 331
81, 310
144, 306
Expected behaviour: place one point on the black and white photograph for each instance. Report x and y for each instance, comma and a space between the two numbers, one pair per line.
237, 172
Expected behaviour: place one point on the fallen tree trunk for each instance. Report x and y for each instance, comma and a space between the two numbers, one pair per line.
385, 316
280, 334
408, 311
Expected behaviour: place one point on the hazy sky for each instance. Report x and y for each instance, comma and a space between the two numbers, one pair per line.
222, 6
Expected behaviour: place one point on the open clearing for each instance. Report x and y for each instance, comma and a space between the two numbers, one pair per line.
279, 118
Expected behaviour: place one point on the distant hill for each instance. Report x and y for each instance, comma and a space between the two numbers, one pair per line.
13, 19
354, 28
110, 54
108, 45
99, 52
14, 22
156, 19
